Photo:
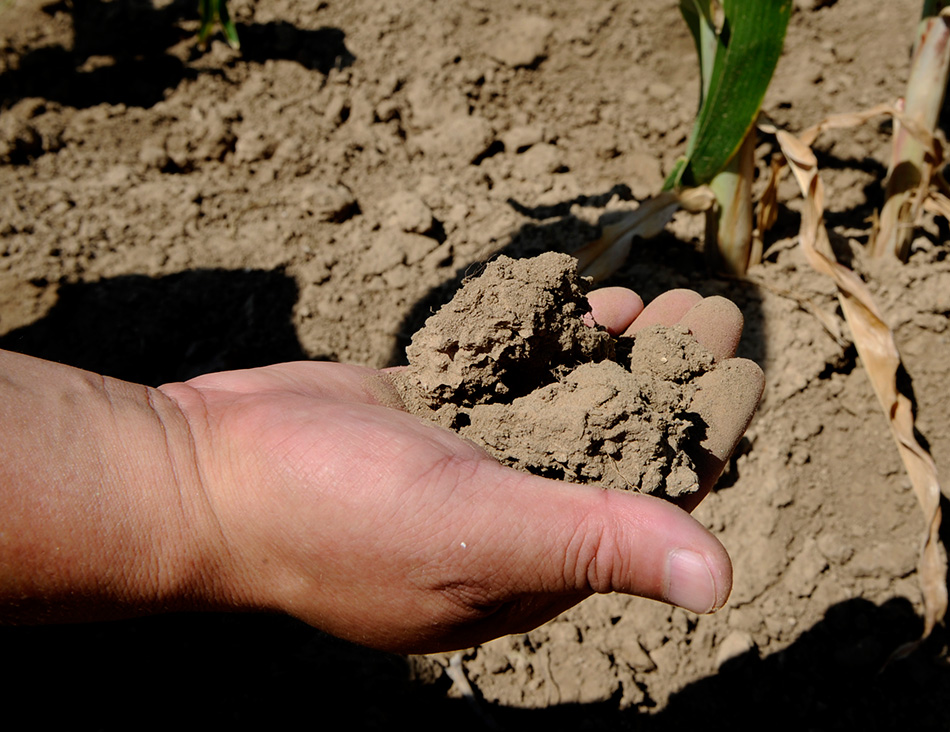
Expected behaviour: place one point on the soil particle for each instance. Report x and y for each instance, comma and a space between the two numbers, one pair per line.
522, 42
511, 365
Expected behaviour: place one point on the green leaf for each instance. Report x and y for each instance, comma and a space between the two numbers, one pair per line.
748, 48
698, 15
216, 12
227, 25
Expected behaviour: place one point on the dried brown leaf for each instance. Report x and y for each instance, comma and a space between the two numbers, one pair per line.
846, 121
875, 344
938, 203
767, 211
602, 257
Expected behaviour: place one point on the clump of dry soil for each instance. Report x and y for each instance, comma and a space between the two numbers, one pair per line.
511, 364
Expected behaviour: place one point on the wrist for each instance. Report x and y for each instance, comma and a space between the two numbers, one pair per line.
98, 511
198, 561
191, 562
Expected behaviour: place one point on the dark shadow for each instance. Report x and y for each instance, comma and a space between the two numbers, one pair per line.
120, 54
320, 50
788, 222
836, 676
251, 671
207, 672
873, 192
563, 208
156, 330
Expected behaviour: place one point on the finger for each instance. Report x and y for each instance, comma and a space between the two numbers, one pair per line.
726, 400
559, 539
666, 309
717, 324
615, 308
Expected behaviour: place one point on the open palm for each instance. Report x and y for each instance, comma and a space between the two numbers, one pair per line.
336, 506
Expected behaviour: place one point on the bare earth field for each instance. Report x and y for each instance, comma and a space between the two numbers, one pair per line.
168, 212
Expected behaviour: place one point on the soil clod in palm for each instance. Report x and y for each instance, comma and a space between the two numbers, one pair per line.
511, 365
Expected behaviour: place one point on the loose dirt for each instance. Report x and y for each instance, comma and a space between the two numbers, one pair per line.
168, 212
511, 364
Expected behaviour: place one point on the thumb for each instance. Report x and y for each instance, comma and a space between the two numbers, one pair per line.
564, 539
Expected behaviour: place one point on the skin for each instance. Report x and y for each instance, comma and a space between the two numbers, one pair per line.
303, 488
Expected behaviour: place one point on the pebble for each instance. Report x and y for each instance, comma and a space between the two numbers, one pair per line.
734, 645
522, 42
330, 203
406, 211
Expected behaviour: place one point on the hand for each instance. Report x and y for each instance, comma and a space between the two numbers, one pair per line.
730, 393
335, 506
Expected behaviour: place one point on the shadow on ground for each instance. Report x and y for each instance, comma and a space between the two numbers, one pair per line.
155, 330
119, 54
254, 671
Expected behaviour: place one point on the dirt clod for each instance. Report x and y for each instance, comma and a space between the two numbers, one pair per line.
511, 364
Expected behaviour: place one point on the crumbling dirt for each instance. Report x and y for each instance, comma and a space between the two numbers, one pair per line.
511, 364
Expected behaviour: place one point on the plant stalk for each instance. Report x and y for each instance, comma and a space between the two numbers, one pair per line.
729, 224
215, 12
911, 164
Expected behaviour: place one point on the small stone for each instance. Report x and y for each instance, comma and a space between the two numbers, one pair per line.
406, 211
736, 644
540, 161
331, 203
522, 42
834, 547
522, 137
660, 90
153, 154
461, 136
804, 571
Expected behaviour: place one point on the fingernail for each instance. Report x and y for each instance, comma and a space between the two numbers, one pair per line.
690, 584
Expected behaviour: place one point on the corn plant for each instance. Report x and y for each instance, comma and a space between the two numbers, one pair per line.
738, 44
877, 347
215, 13
914, 157
738, 47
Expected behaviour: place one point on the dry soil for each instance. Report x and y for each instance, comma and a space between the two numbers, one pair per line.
168, 212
